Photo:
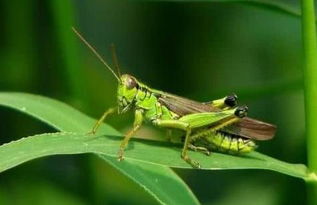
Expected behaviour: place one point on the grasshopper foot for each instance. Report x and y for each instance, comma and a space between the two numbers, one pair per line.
193, 163
92, 132
120, 154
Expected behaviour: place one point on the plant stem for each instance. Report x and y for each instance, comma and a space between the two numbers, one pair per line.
64, 19
310, 80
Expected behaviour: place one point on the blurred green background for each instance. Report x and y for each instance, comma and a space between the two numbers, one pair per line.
198, 50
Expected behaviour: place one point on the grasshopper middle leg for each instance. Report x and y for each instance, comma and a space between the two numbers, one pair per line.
138, 119
199, 149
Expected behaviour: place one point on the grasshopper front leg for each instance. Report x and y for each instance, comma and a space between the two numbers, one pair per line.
138, 119
102, 118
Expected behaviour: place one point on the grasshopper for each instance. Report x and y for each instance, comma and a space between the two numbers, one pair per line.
217, 125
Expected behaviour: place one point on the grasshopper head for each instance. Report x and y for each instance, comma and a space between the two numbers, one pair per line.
127, 90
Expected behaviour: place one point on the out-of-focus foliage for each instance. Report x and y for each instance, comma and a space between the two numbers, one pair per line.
197, 50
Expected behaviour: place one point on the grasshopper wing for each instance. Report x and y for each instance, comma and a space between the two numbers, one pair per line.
252, 128
246, 127
183, 106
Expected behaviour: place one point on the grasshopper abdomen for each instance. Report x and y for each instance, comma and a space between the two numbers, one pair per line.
223, 142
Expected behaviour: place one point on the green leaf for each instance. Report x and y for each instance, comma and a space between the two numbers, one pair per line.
66, 118
156, 153
107, 141
277, 6
274, 5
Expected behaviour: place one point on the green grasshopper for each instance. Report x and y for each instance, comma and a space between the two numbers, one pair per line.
218, 125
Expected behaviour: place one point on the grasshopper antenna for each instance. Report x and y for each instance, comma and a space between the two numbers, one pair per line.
115, 59
95, 52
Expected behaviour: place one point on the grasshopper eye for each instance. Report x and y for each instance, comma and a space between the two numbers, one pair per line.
130, 83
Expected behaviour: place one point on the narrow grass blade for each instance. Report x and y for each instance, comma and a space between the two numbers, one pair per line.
65, 118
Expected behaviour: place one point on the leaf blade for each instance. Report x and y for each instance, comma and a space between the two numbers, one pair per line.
74, 143
107, 142
51, 112
276, 6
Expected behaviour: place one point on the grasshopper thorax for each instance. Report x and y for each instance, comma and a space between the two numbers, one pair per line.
127, 90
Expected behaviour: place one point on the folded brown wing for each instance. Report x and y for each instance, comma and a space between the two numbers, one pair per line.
246, 127
183, 106
253, 129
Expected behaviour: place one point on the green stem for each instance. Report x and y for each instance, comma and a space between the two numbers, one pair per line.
310, 80
64, 19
